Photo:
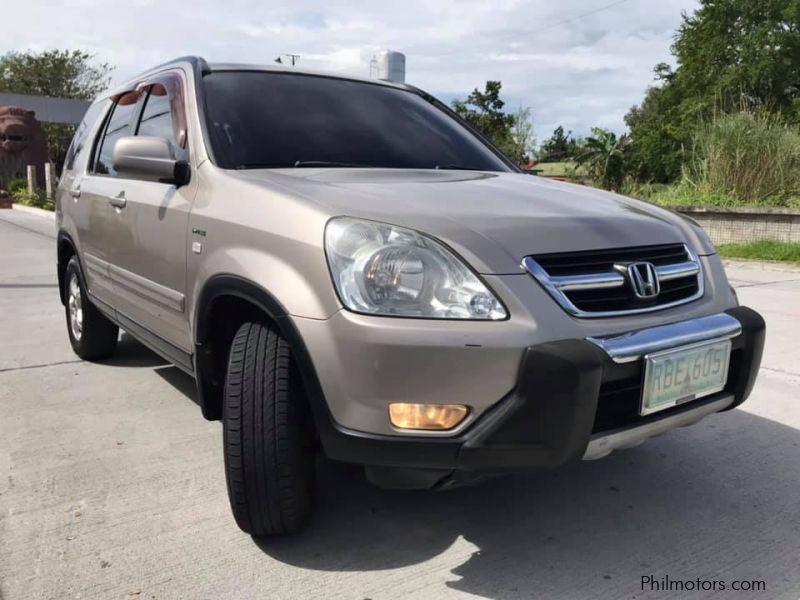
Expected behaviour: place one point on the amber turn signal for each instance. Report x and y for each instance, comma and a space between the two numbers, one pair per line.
426, 416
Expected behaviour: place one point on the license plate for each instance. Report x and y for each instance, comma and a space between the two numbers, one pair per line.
680, 375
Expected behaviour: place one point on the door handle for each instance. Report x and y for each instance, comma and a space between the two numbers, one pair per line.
119, 201
75, 192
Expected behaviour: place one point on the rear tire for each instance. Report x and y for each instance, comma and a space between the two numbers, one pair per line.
269, 455
91, 334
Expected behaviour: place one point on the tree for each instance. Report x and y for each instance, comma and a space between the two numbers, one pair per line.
523, 136
484, 111
604, 155
556, 148
731, 55
55, 73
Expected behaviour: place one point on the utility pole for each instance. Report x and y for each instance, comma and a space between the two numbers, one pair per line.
293, 58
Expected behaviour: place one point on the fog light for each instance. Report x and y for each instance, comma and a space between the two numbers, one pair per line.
426, 416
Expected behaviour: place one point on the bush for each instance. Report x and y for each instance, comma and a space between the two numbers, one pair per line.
745, 157
37, 199
15, 184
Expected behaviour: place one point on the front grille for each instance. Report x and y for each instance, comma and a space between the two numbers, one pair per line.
596, 283
618, 402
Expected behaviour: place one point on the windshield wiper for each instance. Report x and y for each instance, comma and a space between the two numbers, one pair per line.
299, 164
302, 164
264, 166
455, 168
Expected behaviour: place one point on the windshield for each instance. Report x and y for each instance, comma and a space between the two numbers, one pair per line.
259, 119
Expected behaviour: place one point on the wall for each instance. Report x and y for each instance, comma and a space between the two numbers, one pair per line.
742, 225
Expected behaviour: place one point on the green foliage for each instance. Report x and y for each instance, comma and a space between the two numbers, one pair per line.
59, 137
37, 199
604, 157
753, 158
680, 194
661, 128
559, 147
11, 167
766, 250
512, 134
731, 55
735, 51
56, 73
555, 169
17, 183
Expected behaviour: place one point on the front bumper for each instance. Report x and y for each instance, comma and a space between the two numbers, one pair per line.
574, 399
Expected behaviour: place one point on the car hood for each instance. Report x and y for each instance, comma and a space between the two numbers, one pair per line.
492, 219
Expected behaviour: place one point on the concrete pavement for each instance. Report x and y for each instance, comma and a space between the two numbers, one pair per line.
111, 486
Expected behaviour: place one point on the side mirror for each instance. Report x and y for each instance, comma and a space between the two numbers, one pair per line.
150, 159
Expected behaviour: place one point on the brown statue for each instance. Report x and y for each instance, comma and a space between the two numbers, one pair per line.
22, 143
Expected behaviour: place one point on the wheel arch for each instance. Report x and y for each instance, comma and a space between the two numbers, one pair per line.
65, 250
254, 301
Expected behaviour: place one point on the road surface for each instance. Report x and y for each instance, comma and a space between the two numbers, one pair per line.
112, 486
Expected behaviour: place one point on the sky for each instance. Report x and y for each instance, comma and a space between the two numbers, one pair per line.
576, 63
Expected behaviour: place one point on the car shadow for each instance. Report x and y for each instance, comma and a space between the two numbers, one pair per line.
132, 353
179, 380
714, 501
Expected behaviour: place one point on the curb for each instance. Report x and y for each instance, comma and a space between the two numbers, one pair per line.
761, 265
48, 214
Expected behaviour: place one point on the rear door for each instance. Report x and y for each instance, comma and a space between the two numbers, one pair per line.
89, 197
149, 223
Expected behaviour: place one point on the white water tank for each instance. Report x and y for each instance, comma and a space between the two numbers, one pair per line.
388, 65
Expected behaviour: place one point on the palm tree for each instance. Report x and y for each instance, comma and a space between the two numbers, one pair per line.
603, 155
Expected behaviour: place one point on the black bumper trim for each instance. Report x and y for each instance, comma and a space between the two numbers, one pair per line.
545, 422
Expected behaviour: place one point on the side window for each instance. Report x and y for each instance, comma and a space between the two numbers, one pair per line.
164, 114
118, 126
77, 148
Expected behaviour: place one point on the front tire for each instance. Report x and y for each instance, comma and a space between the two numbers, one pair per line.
91, 334
269, 458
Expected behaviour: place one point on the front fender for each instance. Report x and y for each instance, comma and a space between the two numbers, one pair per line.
292, 289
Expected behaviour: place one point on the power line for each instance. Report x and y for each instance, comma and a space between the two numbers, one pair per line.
579, 17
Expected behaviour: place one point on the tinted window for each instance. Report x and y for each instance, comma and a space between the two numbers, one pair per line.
277, 119
163, 116
118, 126
76, 150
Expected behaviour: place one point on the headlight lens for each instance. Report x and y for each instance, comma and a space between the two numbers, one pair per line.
387, 270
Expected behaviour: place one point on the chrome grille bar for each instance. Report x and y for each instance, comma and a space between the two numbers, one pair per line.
684, 269
599, 281
595, 281
560, 286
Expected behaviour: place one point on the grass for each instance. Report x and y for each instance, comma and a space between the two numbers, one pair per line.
766, 250
678, 195
755, 157
553, 168
738, 160
560, 169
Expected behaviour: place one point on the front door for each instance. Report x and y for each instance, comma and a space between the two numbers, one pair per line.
149, 221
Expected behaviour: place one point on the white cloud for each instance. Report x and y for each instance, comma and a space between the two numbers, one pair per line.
584, 72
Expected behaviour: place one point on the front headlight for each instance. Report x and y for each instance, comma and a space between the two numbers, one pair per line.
382, 269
